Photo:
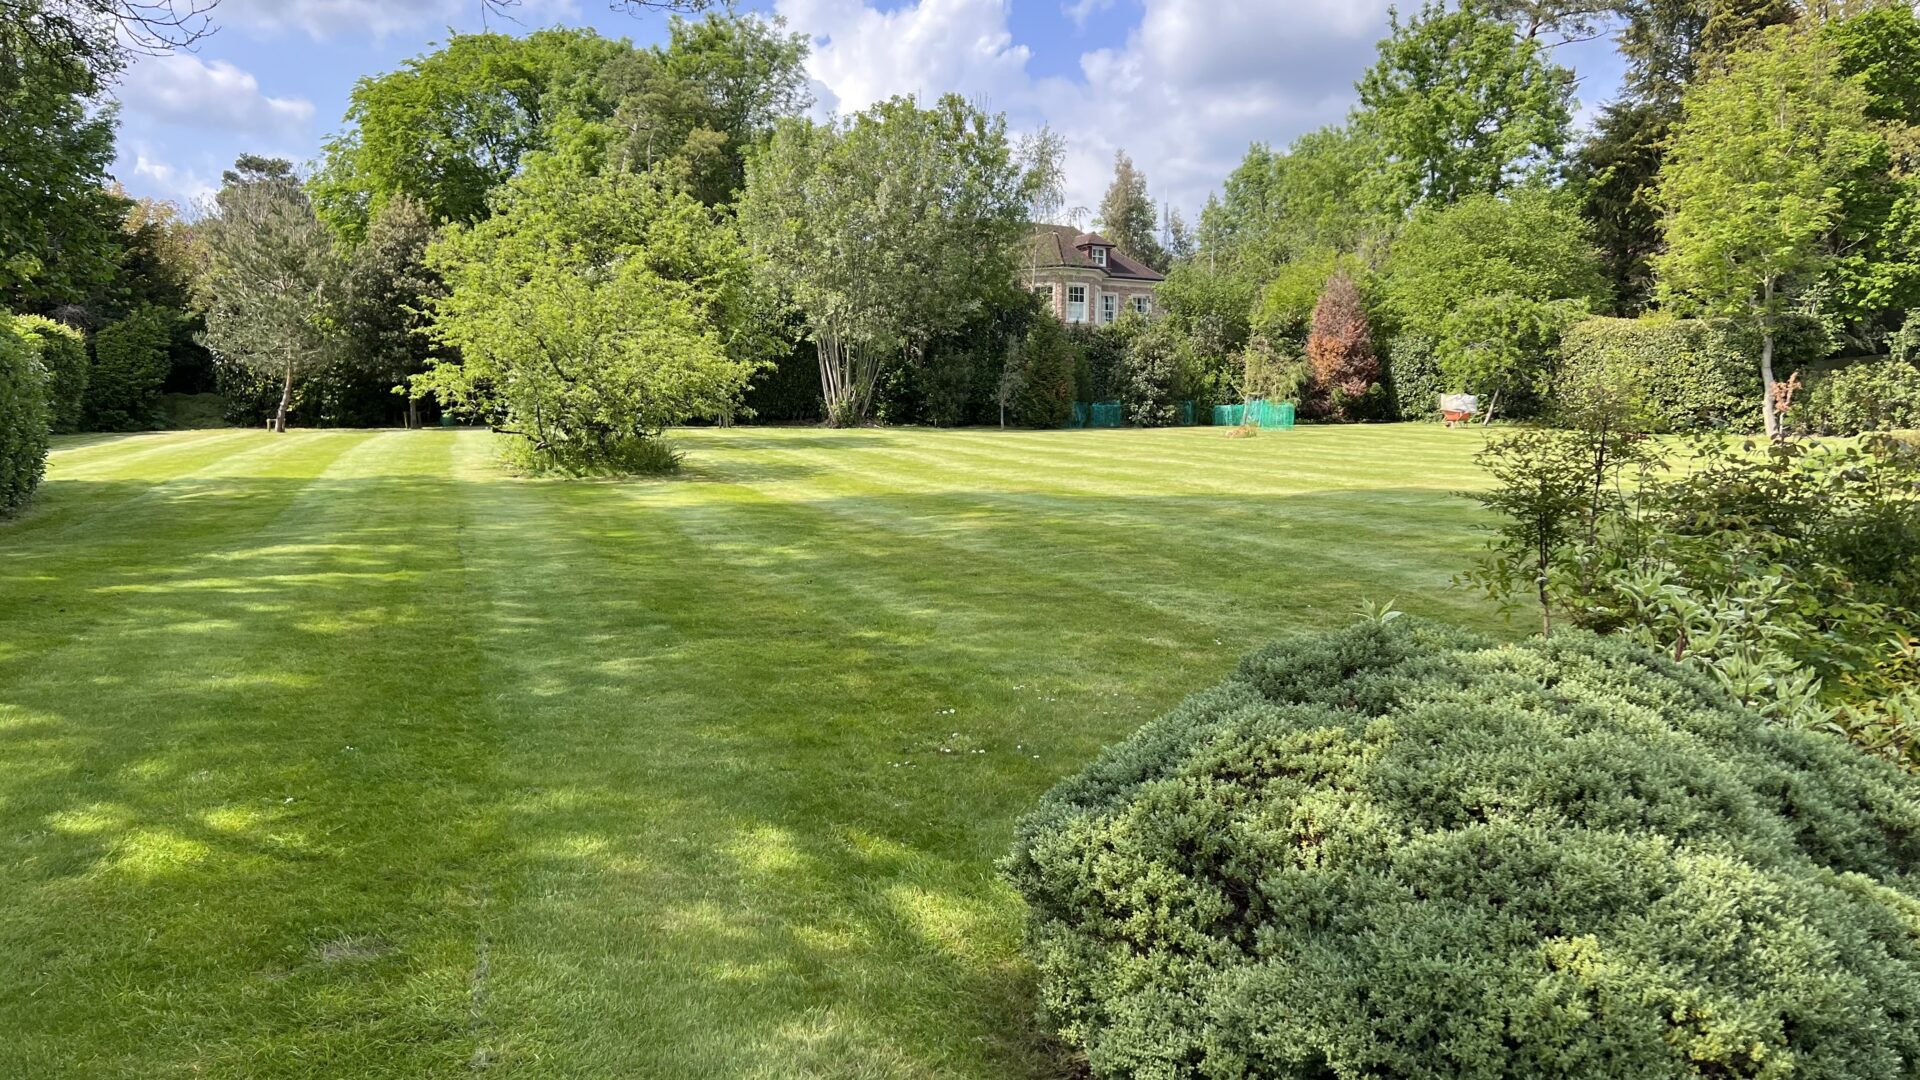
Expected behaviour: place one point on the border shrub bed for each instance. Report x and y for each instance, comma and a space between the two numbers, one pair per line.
63, 353
23, 417
1692, 375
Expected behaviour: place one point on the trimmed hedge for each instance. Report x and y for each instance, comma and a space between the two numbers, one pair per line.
1870, 395
1404, 851
1693, 375
63, 353
23, 417
130, 362
1413, 376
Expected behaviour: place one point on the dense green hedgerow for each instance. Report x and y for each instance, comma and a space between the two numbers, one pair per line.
1691, 375
1401, 851
1870, 395
63, 353
130, 361
23, 417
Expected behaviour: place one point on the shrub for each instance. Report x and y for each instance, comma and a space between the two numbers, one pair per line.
130, 363
1041, 386
631, 455
1691, 375
1401, 851
63, 353
1876, 395
1413, 377
1340, 349
23, 417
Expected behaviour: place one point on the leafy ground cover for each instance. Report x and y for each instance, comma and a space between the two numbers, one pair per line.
346, 753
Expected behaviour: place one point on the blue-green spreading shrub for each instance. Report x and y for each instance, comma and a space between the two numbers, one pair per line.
63, 353
1403, 851
23, 417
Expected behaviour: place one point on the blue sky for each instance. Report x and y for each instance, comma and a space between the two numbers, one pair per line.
1182, 85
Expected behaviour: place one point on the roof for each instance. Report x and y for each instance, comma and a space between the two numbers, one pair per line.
1061, 245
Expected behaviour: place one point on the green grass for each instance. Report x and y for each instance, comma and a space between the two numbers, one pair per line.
346, 754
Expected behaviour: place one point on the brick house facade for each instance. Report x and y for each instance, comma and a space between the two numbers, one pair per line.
1085, 278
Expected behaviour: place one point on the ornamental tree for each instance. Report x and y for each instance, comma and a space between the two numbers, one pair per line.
1754, 183
1340, 347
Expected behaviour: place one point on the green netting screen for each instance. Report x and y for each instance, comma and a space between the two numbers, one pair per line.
1104, 414
1264, 414
1186, 414
1079, 415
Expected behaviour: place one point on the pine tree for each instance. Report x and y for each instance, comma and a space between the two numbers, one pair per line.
1127, 215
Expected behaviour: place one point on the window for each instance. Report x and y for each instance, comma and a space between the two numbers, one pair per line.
1099, 256
1076, 303
1109, 307
1045, 293
1141, 304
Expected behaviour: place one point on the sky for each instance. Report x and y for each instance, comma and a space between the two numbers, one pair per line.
1183, 86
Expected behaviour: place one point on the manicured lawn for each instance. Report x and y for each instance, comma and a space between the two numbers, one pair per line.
344, 754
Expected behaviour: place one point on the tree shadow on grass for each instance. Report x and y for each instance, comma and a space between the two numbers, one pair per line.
392, 772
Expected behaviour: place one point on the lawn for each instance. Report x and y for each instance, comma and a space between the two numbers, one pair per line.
345, 754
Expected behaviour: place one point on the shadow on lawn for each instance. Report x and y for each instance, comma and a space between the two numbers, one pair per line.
398, 771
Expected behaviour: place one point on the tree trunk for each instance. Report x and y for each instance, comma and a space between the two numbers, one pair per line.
413, 413
1492, 404
286, 399
1767, 384
1767, 411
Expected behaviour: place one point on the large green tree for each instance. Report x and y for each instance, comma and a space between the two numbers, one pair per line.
388, 289
272, 287
884, 230
716, 88
1754, 184
58, 235
448, 127
1459, 103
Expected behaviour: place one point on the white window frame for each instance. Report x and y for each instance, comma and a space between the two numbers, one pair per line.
1109, 307
1076, 309
1045, 293
1141, 304
1099, 255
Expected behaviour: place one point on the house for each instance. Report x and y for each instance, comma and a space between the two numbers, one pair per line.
1083, 277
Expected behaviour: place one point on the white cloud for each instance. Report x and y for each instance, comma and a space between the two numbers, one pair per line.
1195, 82
1082, 10
183, 186
183, 89
326, 20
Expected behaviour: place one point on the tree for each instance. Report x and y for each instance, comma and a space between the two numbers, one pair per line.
1459, 104
717, 88
1531, 245
1500, 344
591, 312
388, 290
1340, 348
95, 38
1753, 183
272, 286
58, 241
884, 229
451, 125
1180, 241
1127, 216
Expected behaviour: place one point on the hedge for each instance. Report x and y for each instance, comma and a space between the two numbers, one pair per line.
1413, 377
1870, 395
1404, 851
23, 417
63, 353
130, 361
1693, 375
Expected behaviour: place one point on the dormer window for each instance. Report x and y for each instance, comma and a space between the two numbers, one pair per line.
1099, 255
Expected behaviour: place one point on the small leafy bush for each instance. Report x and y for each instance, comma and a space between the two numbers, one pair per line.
1877, 395
629, 455
23, 417
63, 353
1690, 375
130, 361
1403, 851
